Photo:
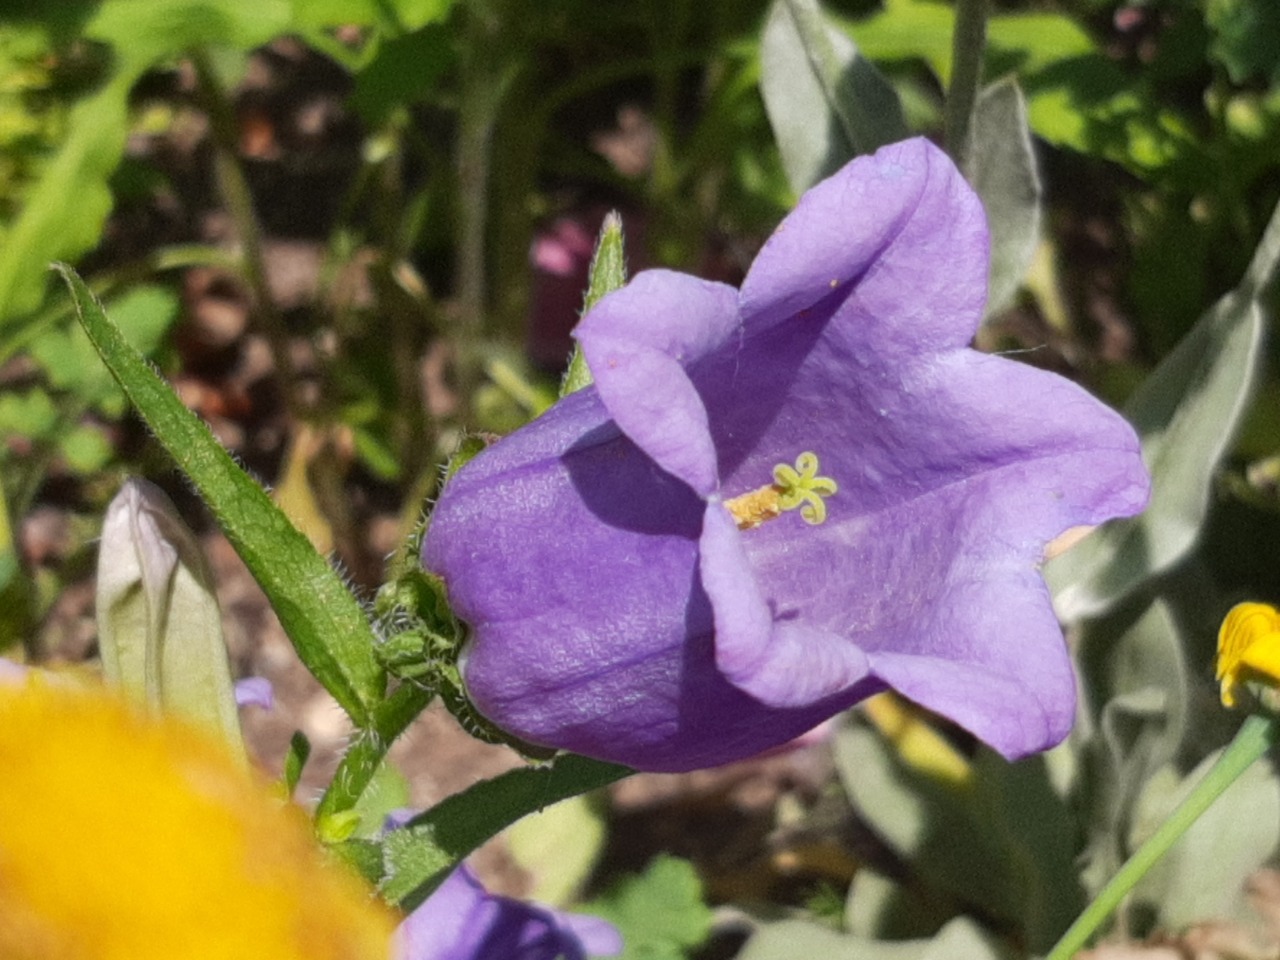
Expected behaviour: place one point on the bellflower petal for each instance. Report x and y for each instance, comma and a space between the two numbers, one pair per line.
463, 921
650, 580
639, 368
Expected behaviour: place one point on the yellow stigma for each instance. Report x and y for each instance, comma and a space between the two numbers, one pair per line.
1248, 650
792, 488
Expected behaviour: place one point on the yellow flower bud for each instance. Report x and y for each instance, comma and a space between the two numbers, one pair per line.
1249, 652
126, 837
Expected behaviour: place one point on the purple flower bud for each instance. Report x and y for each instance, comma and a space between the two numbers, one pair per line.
776, 501
255, 692
462, 921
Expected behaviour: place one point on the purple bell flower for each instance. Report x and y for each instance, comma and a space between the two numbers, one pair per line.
777, 501
462, 921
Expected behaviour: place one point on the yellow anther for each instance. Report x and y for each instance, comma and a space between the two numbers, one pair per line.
755, 507
792, 488
1248, 650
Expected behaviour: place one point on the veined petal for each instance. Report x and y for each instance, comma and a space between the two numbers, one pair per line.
901, 232
994, 661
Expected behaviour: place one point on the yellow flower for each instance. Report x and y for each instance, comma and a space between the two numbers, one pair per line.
1248, 651
124, 837
919, 745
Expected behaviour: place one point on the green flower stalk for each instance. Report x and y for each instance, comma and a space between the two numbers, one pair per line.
1248, 670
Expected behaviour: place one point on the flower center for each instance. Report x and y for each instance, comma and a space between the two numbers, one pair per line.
797, 487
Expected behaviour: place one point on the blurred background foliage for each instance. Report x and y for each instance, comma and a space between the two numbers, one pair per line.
349, 230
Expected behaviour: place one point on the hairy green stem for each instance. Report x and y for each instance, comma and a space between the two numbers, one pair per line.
1256, 736
968, 43
369, 748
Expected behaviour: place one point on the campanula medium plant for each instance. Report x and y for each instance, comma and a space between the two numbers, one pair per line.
778, 500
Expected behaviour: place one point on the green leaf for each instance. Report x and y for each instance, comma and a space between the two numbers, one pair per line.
1202, 876
879, 908
419, 856
907, 30
143, 314
144, 32
1133, 719
1025, 42
1001, 842
159, 627
29, 414
403, 71
63, 214
660, 913
323, 620
388, 790
825, 101
608, 273
85, 449
1001, 165
1186, 412
1076, 96
1244, 37
558, 847
391, 15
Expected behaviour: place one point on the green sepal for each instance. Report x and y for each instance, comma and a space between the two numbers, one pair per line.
608, 273
294, 760
334, 828
467, 451
453, 695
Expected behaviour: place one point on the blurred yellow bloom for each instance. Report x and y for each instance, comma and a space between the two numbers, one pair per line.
921, 746
123, 837
1248, 650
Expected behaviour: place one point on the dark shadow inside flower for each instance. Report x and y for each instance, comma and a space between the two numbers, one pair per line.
745, 389
624, 488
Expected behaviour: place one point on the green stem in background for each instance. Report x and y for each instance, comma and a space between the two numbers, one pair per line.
17, 591
235, 192
484, 85
968, 43
486, 78
1256, 736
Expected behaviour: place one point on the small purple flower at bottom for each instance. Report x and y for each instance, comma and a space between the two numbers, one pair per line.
462, 921
776, 501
